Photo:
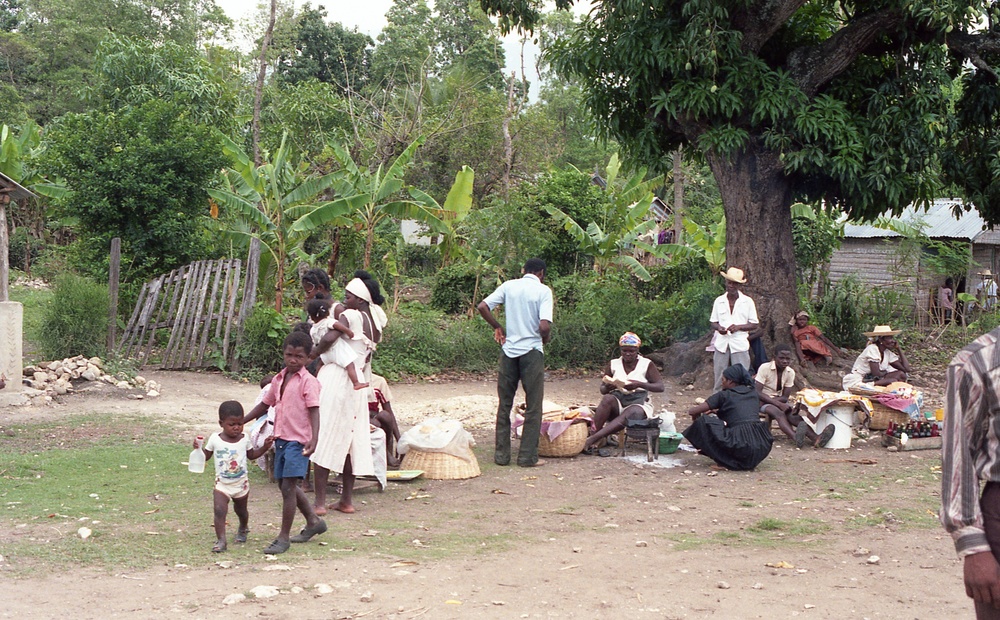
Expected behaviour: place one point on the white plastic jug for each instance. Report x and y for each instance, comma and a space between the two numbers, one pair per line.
196, 462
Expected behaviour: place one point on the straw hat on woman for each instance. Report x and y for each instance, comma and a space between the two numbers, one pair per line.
882, 362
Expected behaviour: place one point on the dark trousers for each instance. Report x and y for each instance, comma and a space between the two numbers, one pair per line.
529, 369
989, 503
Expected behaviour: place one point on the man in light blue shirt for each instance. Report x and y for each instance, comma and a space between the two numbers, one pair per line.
528, 307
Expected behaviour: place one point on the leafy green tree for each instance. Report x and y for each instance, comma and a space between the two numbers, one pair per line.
328, 53
466, 39
137, 174
10, 14
265, 201
132, 71
405, 45
789, 101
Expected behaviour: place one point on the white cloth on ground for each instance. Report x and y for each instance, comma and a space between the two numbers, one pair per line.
437, 435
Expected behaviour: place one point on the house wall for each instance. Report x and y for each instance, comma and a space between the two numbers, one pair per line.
880, 263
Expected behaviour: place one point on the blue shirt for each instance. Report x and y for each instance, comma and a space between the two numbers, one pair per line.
526, 302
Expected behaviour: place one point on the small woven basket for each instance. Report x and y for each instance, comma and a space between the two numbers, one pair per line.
441, 466
881, 415
569, 443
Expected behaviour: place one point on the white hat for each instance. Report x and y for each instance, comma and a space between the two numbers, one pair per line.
734, 274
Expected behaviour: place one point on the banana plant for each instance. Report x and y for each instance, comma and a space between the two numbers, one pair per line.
368, 197
612, 241
266, 201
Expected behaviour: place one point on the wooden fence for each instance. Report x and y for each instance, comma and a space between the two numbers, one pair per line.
201, 306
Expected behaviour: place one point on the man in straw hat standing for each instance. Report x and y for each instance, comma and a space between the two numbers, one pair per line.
971, 455
528, 306
986, 290
733, 316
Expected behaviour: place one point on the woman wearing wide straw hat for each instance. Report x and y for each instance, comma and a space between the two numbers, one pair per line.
882, 362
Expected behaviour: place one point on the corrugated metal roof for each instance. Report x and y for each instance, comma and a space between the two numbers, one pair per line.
939, 221
16, 191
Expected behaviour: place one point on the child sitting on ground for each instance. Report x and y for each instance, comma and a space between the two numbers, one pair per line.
294, 394
230, 449
340, 353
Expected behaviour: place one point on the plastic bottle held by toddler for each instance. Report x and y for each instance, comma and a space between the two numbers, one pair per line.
196, 462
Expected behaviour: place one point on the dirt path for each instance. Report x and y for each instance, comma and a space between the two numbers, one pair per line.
579, 538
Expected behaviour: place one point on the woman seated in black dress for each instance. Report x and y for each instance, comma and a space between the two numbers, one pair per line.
734, 437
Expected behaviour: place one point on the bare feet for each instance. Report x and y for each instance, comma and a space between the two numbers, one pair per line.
319, 510
360, 386
347, 509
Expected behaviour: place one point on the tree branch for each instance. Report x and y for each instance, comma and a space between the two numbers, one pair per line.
971, 46
760, 20
812, 67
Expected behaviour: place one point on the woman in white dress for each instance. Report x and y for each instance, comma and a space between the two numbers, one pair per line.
344, 444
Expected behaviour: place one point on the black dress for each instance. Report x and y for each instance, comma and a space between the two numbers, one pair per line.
735, 438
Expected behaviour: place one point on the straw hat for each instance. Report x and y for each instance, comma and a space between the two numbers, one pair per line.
882, 330
734, 274
986, 273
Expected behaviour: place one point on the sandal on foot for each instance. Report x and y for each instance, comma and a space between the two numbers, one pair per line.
604, 452
219, 546
241, 535
825, 437
589, 451
276, 547
308, 532
800, 434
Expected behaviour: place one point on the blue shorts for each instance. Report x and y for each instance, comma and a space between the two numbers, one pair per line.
288, 460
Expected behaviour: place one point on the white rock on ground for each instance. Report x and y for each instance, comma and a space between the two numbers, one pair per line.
264, 591
232, 599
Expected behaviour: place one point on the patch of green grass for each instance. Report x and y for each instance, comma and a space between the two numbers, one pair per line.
767, 532
35, 301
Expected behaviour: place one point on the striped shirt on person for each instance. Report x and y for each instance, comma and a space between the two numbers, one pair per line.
971, 446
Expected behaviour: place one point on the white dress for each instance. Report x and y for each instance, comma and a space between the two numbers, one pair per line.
343, 412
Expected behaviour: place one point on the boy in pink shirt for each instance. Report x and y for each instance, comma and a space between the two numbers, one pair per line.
294, 395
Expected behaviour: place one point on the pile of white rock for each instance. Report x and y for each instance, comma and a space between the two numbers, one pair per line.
56, 377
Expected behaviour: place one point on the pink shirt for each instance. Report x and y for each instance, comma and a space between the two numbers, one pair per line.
291, 409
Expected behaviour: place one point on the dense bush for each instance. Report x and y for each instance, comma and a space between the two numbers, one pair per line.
454, 286
850, 308
687, 311
76, 322
421, 341
263, 334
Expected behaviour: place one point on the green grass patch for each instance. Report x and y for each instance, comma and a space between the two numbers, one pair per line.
123, 477
35, 302
765, 533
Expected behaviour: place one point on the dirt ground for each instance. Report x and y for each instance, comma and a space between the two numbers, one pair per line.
585, 537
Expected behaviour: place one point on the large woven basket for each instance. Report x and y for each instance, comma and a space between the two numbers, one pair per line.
569, 443
881, 415
441, 466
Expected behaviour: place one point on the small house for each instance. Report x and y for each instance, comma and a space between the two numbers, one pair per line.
882, 258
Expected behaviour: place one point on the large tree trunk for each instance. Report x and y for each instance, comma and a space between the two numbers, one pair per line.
757, 201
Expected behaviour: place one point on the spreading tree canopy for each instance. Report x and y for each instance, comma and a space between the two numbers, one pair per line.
868, 105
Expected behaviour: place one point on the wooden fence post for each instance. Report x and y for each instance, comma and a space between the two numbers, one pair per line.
4, 245
249, 297
113, 271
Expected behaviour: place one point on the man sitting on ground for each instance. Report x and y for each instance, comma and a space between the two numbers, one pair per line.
775, 381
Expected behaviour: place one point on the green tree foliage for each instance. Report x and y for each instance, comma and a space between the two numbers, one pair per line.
405, 44
467, 40
65, 35
329, 53
130, 72
137, 174
10, 14
794, 101
816, 235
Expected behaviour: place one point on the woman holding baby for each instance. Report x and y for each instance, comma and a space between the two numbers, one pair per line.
628, 380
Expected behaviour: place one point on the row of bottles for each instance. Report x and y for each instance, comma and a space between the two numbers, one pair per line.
913, 429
